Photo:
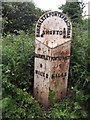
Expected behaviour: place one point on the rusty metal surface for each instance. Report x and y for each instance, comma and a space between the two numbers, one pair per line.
52, 56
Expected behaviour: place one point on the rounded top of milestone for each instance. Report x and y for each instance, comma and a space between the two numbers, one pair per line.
53, 29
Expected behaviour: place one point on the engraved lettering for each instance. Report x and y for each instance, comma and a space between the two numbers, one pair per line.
53, 32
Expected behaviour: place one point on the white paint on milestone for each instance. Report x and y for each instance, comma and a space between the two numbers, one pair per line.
52, 56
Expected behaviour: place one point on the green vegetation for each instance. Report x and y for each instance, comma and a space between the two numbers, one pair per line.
73, 10
52, 96
18, 71
18, 59
19, 16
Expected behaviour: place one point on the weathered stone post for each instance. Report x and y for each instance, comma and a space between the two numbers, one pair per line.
52, 56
